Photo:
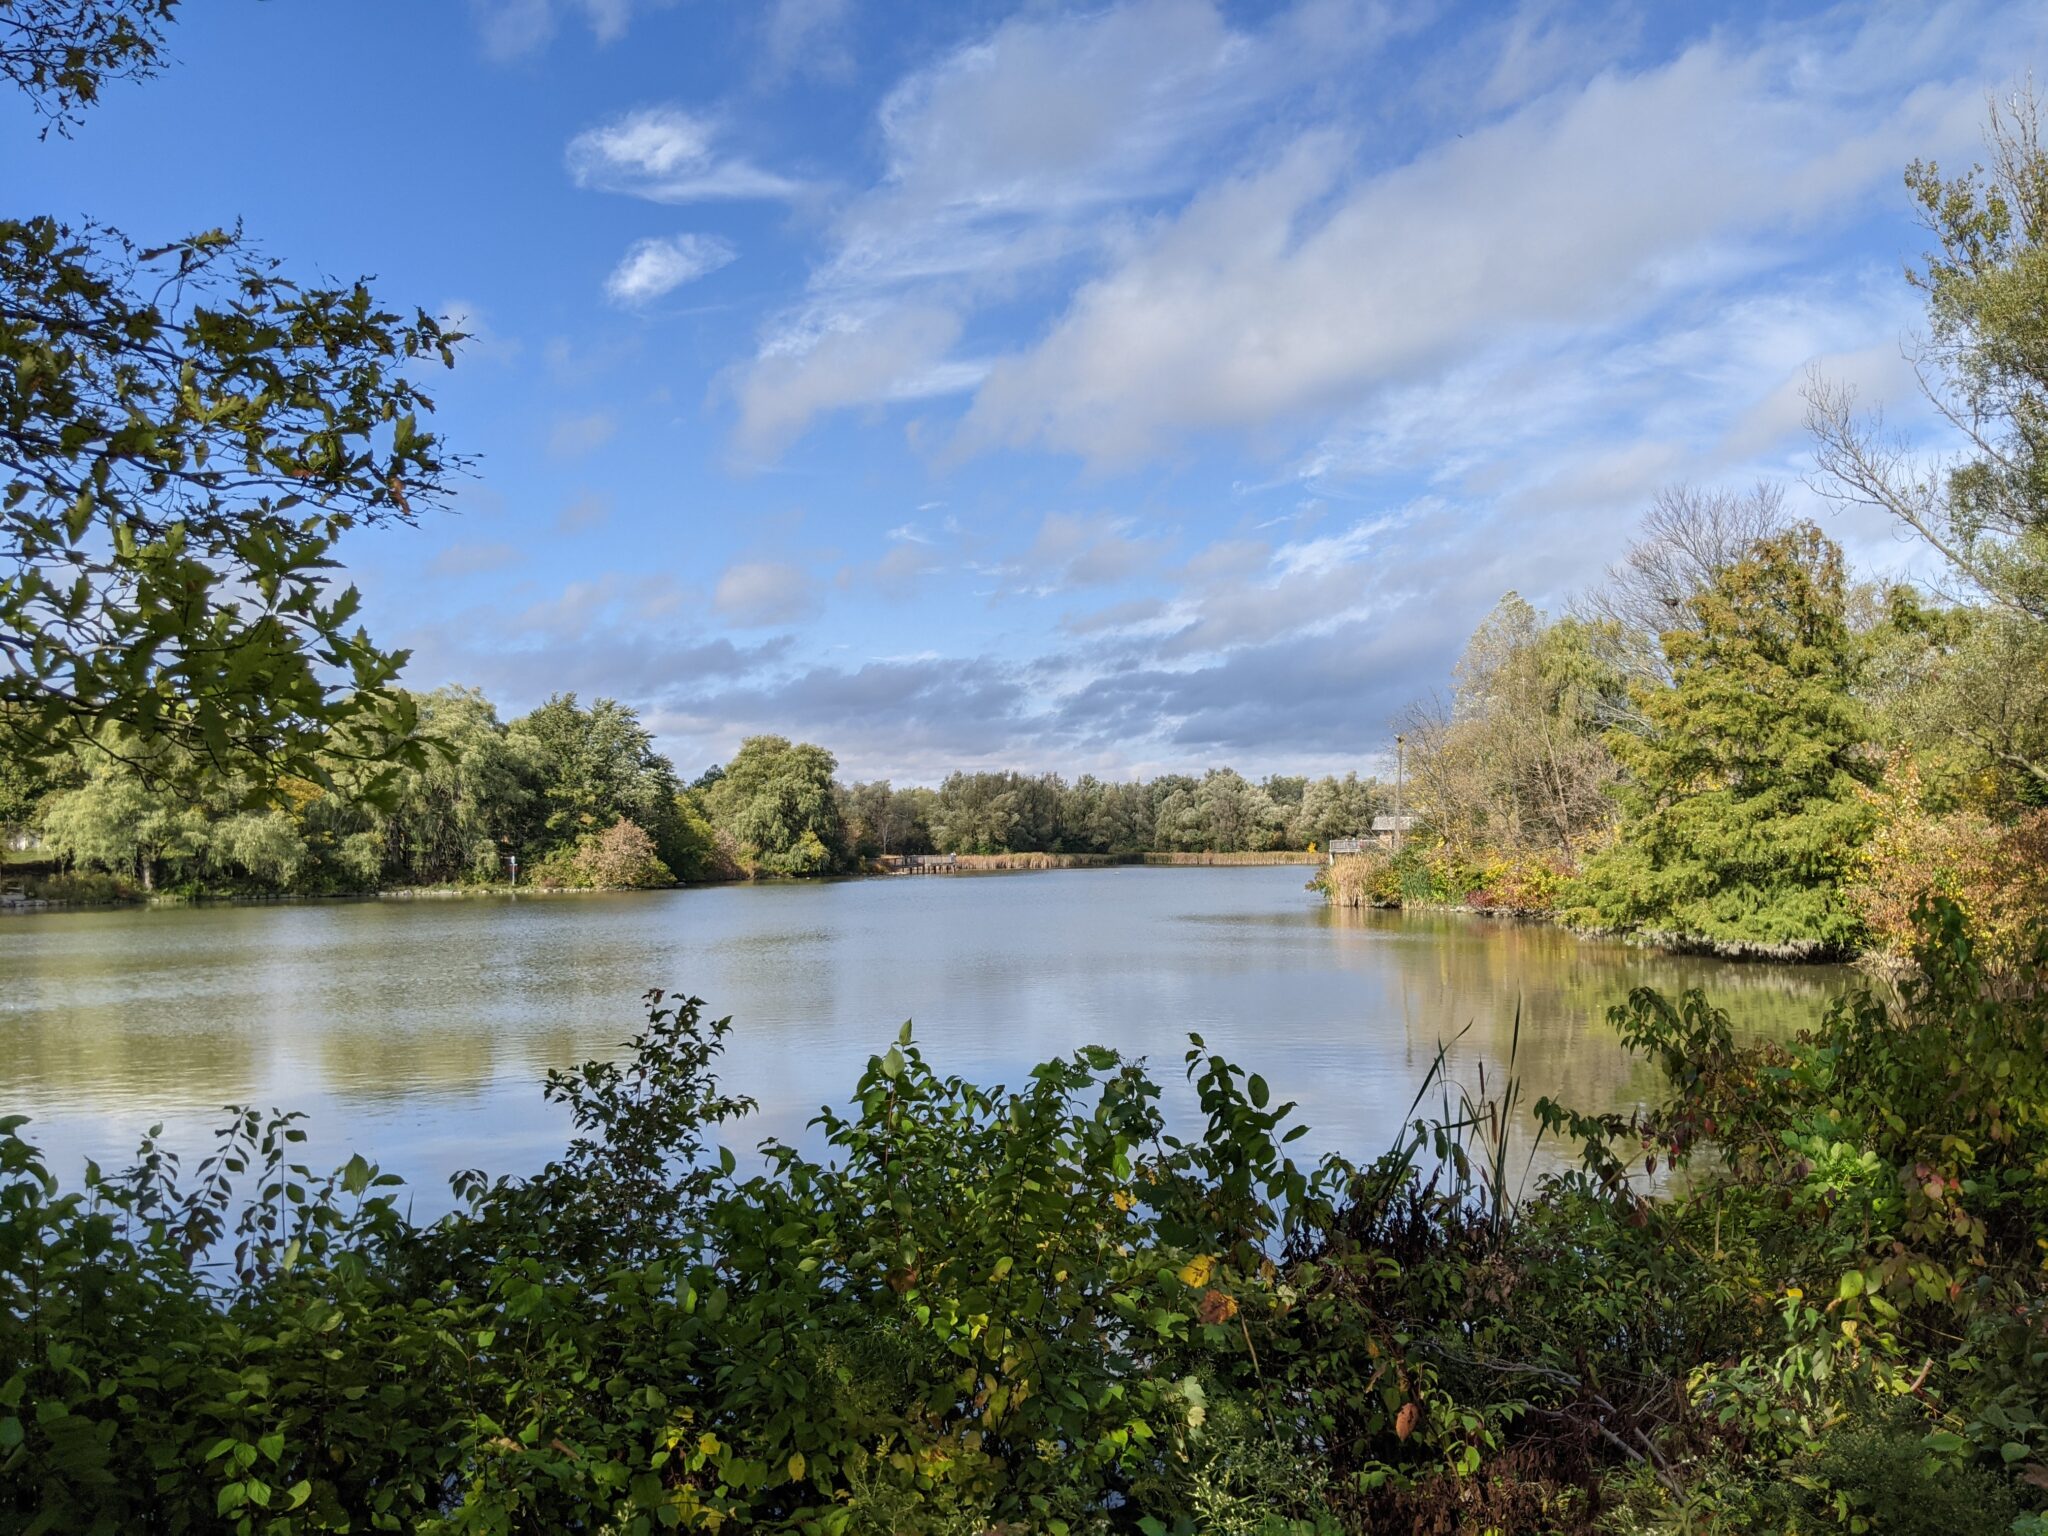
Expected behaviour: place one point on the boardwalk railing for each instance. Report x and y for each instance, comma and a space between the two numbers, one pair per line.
919, 863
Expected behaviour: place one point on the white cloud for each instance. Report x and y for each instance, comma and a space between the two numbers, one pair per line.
1071, 551
858, 361
1046, 118
757, 593
667, 155
1013, 154
1269, 250
663, 263
1294, 289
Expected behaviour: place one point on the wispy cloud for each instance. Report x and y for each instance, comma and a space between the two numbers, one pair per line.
575, 435
511, 29
808, 37
662, 263
1246, 247
762, 593
1013, 154
1300, 286
668, 155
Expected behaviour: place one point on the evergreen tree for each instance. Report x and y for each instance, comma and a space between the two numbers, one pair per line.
1742, 811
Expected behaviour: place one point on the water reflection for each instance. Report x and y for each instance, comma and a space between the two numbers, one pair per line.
419, 1031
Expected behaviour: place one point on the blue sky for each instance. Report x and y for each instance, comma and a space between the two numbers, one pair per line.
1113, 388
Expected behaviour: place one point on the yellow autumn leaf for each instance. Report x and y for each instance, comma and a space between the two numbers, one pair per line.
1122, 1200
1195, 1273
796, 1466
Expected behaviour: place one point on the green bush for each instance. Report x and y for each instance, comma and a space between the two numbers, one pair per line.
1875, 1473
78, 885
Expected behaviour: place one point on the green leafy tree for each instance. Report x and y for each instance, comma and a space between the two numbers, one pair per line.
185, 432
1238, 816
1741, 811
1984, 506
1332, 807
1118, 819
695, 849
265, 846
778, 801
59, 53
883, 820
592, 766
120, 821
456, 814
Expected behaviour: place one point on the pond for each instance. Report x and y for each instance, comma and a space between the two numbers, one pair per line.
418, 1031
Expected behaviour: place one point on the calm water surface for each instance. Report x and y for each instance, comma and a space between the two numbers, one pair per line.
418, 1031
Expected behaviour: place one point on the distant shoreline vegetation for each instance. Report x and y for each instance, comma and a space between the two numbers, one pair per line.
577, 797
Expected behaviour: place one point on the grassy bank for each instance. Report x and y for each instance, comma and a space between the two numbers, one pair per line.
1034, 1310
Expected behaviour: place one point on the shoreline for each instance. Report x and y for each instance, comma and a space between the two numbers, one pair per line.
963, 864
1658, 940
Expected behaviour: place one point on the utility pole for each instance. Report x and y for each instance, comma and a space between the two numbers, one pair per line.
1400, 772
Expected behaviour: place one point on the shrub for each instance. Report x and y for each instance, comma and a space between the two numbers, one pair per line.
621, 857
1882, 1214
1876, 1473
79, 885
1519, 883
1997, 876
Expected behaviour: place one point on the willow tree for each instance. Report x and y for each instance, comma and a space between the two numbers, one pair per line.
778, 800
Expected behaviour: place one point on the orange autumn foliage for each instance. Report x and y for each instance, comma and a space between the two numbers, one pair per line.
1996, 873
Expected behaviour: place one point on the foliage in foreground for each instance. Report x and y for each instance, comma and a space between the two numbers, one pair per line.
1033, 1309
185, 433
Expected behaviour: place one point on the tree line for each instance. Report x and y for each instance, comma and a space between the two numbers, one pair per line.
578, 795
